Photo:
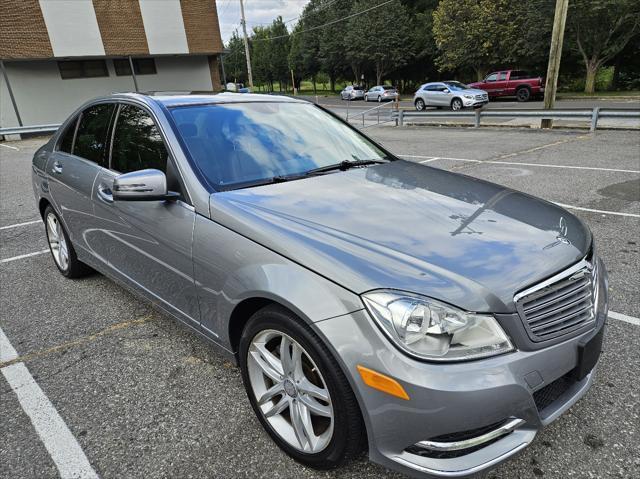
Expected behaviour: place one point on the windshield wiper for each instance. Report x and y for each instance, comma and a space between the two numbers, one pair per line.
343, 166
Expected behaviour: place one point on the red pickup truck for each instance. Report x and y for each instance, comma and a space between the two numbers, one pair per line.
516, 83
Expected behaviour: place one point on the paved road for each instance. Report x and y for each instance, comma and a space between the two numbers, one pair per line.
144, 397
499, 103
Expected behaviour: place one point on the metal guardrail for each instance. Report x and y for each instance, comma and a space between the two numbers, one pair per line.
594, 114
377, 108
20, 130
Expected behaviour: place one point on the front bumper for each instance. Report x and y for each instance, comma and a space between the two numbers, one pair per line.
474, 103
535, 386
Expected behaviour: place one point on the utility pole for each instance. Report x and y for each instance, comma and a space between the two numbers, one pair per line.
246, 46
555, 54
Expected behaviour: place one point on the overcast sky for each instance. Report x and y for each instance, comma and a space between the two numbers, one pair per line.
257, 12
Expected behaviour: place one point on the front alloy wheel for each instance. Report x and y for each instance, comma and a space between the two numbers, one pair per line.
420, 104
298, 390
290, 391
456, 104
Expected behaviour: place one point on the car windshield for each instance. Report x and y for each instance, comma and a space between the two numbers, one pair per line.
236, 145
456, 85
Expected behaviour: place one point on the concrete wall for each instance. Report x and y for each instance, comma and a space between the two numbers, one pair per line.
43, 97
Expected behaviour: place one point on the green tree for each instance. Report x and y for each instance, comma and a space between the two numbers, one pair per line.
235, 62
305, 43
380, 38
476, 34
332, 56
599, 30
270, 48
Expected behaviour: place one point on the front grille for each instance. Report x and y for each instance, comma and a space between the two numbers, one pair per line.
482, 97
551, 392
560, 307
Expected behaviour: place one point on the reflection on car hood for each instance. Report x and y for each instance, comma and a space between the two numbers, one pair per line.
472, 91
408, 226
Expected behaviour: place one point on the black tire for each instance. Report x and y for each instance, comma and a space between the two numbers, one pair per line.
349, 436
456, 104
523, 94
379, 99
420, 104
75, 268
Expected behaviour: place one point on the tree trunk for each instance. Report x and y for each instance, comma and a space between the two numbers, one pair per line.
481, 73
332, 82
379, 73
590, 80
313, 80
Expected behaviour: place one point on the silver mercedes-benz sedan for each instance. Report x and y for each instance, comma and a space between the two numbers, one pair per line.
449, 94
352, 92
435, 320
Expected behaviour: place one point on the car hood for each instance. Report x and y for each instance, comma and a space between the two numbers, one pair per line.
473, 91
411, 227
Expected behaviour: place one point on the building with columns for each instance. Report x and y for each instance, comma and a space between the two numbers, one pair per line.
56, 54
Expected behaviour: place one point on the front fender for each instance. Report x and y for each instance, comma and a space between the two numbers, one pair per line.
230, 268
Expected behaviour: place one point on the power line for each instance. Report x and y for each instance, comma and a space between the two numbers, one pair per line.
323, 25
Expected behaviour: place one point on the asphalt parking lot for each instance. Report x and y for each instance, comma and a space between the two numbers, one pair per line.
142, 396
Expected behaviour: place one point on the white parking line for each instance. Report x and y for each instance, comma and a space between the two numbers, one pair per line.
22, 256
17, 225
10, 147
625, 318
62, 446
542, 165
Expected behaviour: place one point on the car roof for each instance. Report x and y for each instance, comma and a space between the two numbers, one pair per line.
173, 99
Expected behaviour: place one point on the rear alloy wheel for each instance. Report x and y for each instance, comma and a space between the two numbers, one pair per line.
420, 104
61, 248
298, 391
366, 98
379, 99
456, 104
523, 94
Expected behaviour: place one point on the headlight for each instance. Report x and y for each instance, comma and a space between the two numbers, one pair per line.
429, 329
468, 97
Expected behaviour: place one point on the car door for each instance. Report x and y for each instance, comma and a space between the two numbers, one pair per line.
490, 84
146, 243
501, 84
440, 95
74, 165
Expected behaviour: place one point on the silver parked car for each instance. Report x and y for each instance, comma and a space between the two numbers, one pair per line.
381, 93
450, 94
352, 92
436, 320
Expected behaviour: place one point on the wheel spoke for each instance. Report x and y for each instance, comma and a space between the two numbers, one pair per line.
302, 427
278, 408
268, 363
312, 390
53, 227
314, 406
270, 393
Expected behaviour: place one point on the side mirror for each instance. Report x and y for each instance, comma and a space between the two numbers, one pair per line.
142, 185
446, 90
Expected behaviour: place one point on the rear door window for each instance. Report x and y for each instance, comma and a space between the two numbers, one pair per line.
503, 76
93, 129
137, 143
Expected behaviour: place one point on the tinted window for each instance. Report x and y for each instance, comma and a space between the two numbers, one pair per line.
137, 143
66, 144
456, 86
237, 143
142, 66
92, 132
503, 76
519, 74
492, 77
83, 69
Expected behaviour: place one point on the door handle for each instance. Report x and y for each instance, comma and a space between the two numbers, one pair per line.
105, 194
57, 168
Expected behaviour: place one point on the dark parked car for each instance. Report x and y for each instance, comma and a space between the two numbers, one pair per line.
436, 320
517, 83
